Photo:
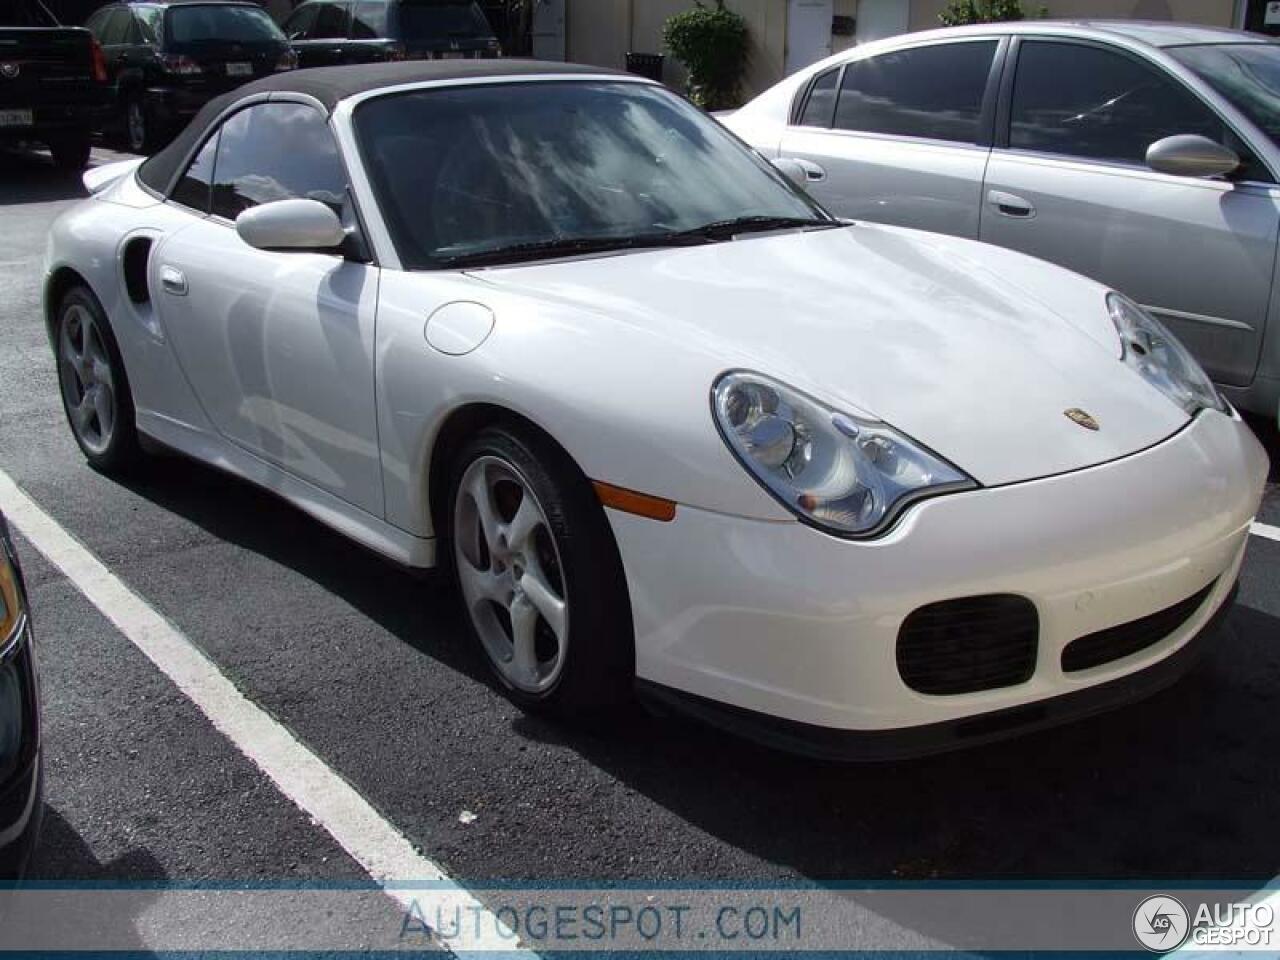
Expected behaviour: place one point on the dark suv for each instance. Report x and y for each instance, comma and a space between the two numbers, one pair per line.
51, 82
165, 60
332, 32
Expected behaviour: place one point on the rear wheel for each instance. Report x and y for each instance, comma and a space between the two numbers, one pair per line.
539, 574
71, 151
139, 132
95, 390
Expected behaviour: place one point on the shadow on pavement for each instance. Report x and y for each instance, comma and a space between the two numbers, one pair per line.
30, 177
63, 858
1183, 786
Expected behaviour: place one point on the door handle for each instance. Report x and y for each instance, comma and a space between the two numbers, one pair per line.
173, 280
1011, 205
812, 172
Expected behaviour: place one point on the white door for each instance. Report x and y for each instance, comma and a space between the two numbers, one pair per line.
808, 32
548, 30
277, 346
881, 18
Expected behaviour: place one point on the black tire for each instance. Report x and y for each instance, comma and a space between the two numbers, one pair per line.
120, 452
138, 124
599, 669
71, 151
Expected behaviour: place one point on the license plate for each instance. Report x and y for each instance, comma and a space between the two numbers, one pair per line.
239, 69
453, 55
16, 118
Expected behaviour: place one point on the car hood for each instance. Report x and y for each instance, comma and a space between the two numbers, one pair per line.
975, 351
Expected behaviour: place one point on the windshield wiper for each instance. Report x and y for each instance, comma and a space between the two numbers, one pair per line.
716, 231
564, 247
728, 229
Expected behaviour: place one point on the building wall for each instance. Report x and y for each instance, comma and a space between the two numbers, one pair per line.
1218, 13
602, 32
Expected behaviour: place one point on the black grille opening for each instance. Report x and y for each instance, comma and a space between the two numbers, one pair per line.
1116, 643
969, 644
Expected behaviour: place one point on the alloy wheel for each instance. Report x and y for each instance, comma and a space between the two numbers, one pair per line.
511, 575
88, 385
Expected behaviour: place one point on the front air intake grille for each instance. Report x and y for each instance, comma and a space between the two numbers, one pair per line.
969, 644
1115, 643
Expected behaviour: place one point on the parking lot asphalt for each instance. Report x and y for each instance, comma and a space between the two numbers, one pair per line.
368, 667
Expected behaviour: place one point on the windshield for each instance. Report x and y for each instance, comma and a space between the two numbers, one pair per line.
1246, 74
204, 23
466, 170
442, 20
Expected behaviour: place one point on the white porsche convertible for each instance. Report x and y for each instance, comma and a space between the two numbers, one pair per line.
854, 489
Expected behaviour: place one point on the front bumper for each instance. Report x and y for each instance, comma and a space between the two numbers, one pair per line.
782, 620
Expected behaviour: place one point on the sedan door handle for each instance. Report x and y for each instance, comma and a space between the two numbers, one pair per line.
173, 280
812, 172
1011, 205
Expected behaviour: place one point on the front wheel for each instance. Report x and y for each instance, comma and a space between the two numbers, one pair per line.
540, 575
95, 390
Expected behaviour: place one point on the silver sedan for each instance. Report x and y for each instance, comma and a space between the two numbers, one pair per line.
1143, 155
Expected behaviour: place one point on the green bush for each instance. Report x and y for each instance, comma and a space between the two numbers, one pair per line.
960, 12
711, 42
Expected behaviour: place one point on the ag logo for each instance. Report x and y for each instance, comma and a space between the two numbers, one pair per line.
9, 70
1161, 923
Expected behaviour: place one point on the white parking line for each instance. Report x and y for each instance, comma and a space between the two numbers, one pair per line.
382, 850
1266, 530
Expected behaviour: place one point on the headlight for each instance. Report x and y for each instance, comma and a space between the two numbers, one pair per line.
1160, 359
849, 475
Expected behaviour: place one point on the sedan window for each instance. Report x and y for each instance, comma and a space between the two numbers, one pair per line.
821, 102
331, 22
935, 92
298, 26
369, 20
1083, 101
276, 151
470, 172
1247, 75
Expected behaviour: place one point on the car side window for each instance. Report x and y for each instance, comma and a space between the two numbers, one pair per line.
368, 20
149, 23
821, 101
115, 27
96, 23
331, 22
1083, 101
275, 151
193, 189
132, 32
935, 92
298, 26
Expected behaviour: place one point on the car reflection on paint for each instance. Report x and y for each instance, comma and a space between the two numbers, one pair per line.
20, 774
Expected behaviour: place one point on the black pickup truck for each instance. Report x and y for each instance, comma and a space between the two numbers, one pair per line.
52, 82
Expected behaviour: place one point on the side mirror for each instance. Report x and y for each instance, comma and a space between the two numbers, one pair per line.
1191, 155
793, 170
296, 224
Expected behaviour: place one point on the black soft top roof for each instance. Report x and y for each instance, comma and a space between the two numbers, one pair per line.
330, 85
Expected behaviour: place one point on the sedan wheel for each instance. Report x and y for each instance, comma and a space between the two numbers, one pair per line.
95, 391
135, 116
539, 573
